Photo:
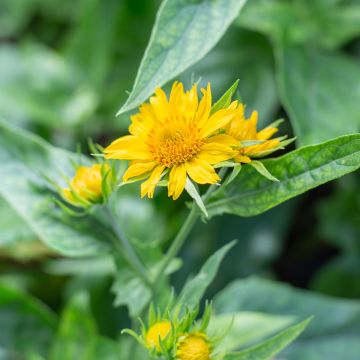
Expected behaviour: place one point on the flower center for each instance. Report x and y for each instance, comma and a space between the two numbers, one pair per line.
193, 347
174, 141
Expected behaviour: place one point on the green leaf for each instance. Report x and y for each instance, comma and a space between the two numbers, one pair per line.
25, 159
183, 33
271, 347
339, 332
319, 90
77, 336
21, 318
192, 191
298, 171
246, 328
329, 24
194, 289
225, 100
39, 86
262, 170
129, 290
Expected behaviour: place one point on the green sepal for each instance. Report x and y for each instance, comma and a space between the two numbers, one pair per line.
225, 99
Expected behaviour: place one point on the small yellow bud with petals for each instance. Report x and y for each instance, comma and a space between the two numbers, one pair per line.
193, 347
156, 332
86, 186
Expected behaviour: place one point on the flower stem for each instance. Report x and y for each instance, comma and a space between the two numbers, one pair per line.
127, 250
184, 231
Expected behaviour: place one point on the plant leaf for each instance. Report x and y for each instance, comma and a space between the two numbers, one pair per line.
25, 159
183, 33
314, 87
271, 347
225, 100
298, 171
194, 289
261, 169
192, 191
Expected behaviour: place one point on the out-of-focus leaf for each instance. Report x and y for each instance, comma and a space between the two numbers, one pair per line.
271, 347
77, 336
299, 171
273, 298
327, 23
184, 32
246, 328
98, 22
14, 15
39, 86
24, 161
141, 221
195, 288
320, 91
27, 325
244, 55
12, 226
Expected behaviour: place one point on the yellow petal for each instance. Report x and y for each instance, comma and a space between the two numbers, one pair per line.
201, 172
242, 159
128, 147
214, 153
148, 186
267, 133
204, 109
216, 122
177, 180
160, 104
143, 122
223, 139
138, 169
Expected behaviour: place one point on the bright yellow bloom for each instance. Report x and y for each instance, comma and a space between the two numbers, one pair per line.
246, 129
86, 186
176, 135
157, 331
193, 347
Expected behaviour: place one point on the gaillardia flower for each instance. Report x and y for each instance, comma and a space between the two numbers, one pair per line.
245, 132
177, 137
193, 347
86, 187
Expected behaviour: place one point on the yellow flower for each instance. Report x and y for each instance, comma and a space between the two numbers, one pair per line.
157, 331
193, 347
176, 135
86, 186
246, 129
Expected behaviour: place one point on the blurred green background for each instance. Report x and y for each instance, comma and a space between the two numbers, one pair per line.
66, 67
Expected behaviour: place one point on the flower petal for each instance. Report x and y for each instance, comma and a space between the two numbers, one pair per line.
267, 133
177, 180
204, 108
217, 121
242, 159
148, 186
214, 153
128, 147
137, 169
223, 139
160, 104
201, 172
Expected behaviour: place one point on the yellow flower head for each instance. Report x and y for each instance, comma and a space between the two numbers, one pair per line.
156, 332
246, 129
193, 347
176, 134
86, 186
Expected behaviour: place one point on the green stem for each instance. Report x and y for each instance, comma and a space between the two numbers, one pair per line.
127, 250
182, 235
